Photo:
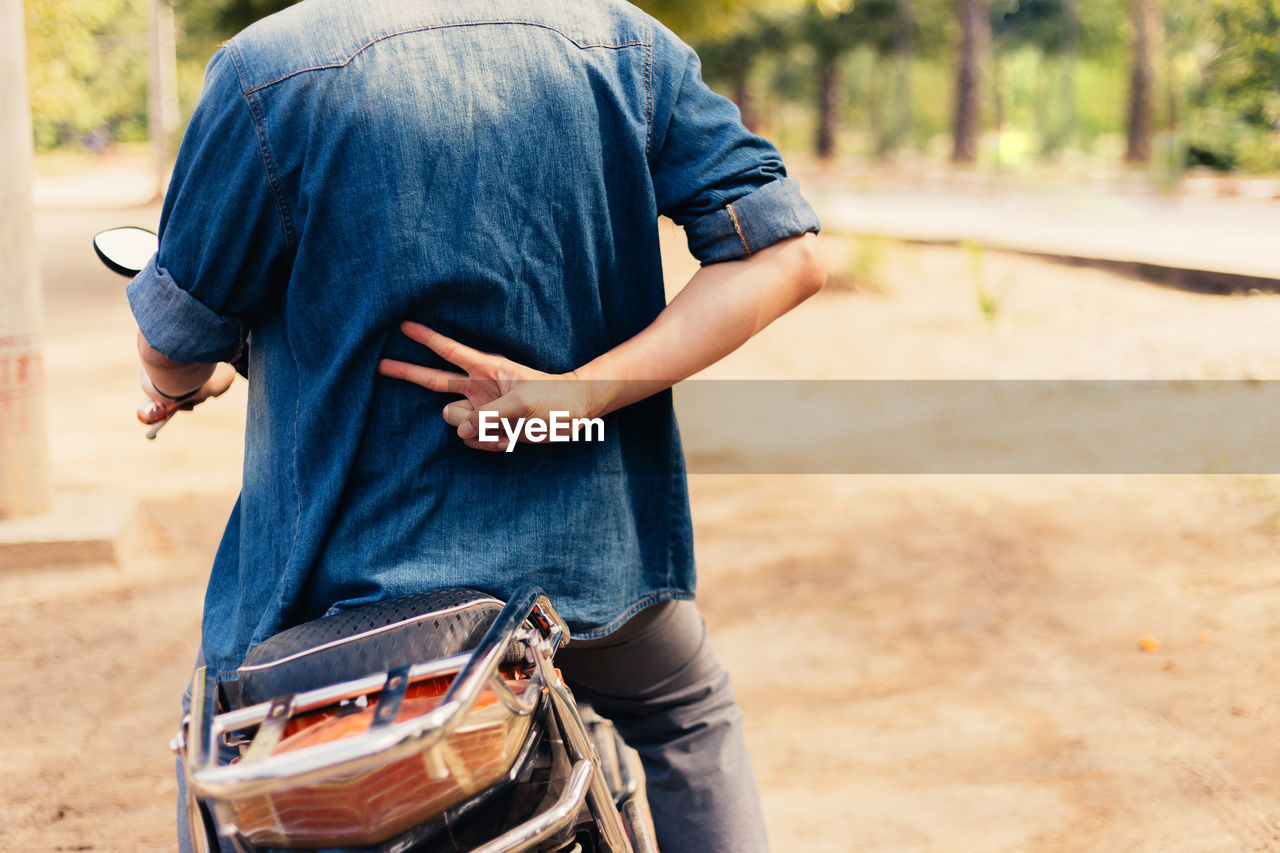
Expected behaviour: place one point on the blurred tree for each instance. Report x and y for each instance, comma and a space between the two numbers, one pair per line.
1015, 24
1208, 70
731, 59
693, 20
1069, 49
1246, 70
820, 28
1241, 93
923, 30
975, 37
1141, 83
1042, 27
832, 28
87, 67
704, 20
903, 57
1052, 37
731, 36
1231, 81
228, 17
1037, 23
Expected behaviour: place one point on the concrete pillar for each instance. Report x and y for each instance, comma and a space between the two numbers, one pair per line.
24, 453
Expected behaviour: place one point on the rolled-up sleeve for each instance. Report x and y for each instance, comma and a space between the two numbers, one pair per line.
224, 231
176, 323
725, 185
761, 218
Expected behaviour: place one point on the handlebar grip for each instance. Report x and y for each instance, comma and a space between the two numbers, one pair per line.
150, 412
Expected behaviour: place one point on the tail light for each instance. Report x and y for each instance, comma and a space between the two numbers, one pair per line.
374, 805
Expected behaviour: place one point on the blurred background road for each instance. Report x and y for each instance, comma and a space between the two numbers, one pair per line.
1227, 235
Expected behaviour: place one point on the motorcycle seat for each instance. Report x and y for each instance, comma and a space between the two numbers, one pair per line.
369, 639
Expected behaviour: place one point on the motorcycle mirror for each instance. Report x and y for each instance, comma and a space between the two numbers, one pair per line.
126, 250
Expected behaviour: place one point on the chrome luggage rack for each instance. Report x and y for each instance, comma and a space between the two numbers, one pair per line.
528, 618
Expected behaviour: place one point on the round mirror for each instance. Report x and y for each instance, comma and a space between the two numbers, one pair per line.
126, 250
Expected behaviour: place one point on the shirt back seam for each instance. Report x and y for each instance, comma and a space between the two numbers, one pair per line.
341, 63
264, 149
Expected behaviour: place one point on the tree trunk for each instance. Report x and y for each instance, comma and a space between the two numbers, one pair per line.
1070, 57
24, 453
1140, 84
997, 92
880, 113
1172, 121
903, 55
975, 30
828, 105
1043, 107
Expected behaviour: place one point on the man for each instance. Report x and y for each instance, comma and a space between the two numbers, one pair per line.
368, 186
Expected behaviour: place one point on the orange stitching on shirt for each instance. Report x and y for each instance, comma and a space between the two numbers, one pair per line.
428, 27
264, 150
648, 98
737, 226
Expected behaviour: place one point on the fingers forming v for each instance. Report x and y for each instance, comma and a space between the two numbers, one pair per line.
430, 378
463, 356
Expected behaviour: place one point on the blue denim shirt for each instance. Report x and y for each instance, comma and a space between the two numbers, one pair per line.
494, 169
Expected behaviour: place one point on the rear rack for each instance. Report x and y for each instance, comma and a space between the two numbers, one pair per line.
528, 618
259, 772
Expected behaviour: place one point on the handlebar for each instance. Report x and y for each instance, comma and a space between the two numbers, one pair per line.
155, 415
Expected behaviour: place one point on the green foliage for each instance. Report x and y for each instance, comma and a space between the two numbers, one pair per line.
1101, 100
834, 28
1246, 69
225, 18
87, 69
205, 24
1063, 70
1236, 107
709, 20
988, 302
1028, 22
930, 112
863, 271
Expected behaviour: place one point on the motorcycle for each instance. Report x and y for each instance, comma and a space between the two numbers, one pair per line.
432, 723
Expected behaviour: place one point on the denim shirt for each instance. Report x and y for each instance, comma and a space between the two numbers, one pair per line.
493, 169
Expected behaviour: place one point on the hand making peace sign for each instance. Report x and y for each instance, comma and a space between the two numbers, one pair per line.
488, 382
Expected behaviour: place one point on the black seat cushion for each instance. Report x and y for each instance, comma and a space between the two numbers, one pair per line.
374, 638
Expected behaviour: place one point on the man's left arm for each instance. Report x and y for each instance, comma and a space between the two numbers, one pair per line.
167, 381
224, 241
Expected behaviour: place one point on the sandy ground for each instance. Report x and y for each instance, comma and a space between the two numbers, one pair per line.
925, 663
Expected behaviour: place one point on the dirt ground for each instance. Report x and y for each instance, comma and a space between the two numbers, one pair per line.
925, 663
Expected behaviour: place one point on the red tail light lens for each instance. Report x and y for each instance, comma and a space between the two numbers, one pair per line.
374, 805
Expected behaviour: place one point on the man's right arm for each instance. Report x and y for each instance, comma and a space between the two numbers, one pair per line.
721, 307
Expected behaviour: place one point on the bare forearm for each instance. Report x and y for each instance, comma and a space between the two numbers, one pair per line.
721, 307
171, 378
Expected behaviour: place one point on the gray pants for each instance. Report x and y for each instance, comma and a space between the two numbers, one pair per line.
657, 679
